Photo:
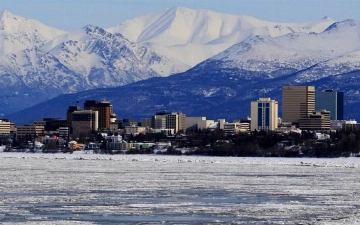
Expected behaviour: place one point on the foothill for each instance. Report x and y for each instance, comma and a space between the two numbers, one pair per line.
312, 125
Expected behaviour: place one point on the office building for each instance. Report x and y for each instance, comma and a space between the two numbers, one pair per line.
167, 120
69, 112
264, 114
84, 122
318, 120
192, 123
27, 133
146, 122
332, 101
104, 109
297, 102
5, 127
134, 130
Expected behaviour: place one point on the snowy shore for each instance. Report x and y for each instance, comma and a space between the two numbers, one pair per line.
84, 188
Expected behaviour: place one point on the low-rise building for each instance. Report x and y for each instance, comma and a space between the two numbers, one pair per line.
316, 121
232, 128
205, 124
28, 133
134, 130
192, 123
5, 127
351, 125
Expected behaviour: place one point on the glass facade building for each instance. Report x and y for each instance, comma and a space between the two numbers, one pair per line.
332, 101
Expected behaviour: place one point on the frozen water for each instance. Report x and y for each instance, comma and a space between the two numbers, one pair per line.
152, 189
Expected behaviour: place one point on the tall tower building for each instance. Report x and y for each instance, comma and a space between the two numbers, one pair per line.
264, 114
104, 109
84, 121
332, 101
297, 102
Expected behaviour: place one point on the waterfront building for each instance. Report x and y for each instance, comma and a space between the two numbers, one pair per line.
69, 112
27, 133
297, 102
332, 101
167, 120
264, 114
146, 122
5, 127
192, 123
134, 130
105, 112
231, 128
318, 120
84, 122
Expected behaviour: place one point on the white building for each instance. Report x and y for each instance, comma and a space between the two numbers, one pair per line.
205, 124
264, 114
192, 123
166, 120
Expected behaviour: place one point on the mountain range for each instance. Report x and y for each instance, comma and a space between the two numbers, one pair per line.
199, 62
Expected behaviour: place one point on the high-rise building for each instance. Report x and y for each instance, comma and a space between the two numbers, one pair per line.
264, 114
297, 102
332, 101
105, 110
84, 121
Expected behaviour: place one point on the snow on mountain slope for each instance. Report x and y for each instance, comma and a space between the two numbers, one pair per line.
294, 51
106, 59
18, 33
336, 66
173, 30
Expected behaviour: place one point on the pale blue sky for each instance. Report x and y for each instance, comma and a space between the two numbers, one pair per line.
73, 14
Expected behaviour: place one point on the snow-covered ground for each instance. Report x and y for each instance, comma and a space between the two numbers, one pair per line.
151, 189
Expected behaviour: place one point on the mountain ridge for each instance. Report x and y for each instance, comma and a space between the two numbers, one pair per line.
215, 61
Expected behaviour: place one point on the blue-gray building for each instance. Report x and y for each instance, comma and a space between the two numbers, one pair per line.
332, 101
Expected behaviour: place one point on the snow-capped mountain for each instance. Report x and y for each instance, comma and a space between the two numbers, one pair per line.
193, 36
275, 56
224, 85
18, 33
39, 62
231, 59
105, 59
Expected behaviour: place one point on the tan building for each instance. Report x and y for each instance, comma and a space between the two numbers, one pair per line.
297, 102
5, 127
135, 130
26, 132
264, 114
316, 121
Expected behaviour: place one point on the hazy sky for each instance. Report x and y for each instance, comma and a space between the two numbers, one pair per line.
73, 14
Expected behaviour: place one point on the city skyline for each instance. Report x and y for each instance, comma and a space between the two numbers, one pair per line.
71, 15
